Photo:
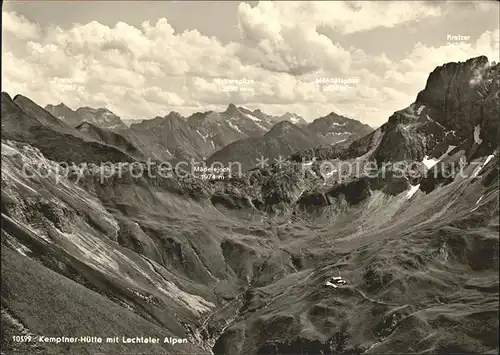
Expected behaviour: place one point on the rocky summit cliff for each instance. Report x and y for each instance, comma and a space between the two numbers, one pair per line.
308, 256
464, 97
100, 117
223, 128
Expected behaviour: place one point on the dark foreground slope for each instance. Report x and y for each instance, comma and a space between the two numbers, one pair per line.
241, 266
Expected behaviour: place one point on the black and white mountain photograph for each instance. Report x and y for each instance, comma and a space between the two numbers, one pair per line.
250, 178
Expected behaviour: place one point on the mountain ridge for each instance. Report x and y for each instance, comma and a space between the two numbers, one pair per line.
285, 138
101, 117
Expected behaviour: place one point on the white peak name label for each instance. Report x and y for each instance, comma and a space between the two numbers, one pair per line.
450, 37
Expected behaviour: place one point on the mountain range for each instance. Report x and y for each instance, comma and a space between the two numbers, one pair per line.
251, 263
214, 135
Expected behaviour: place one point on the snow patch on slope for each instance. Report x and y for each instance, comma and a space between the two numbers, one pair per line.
476, 172
412, 190
235, 127
114, 126
450, 148
201, 135
477, 133
338, 133
262, 127
430, 119
253, 118
194, 302
429, 162
9, 151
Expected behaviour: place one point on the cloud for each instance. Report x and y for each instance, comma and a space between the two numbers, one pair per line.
19, 26
148, 70
157, 95
277, 40
358, 16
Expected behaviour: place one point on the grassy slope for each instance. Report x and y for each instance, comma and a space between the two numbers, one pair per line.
51, 305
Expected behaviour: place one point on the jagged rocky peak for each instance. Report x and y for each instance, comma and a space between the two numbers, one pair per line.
7, 101
335, 117
100, 116
292, 117
232, 109
11, 114
334, 122
23, 100
99, 111
60, 106
244, 109
154, 122
63, 112
458, 106
174, 115
282, 127
465, 95
5, 95
42, 115
259, 114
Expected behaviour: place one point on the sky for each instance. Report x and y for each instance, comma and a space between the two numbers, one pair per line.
144, 59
